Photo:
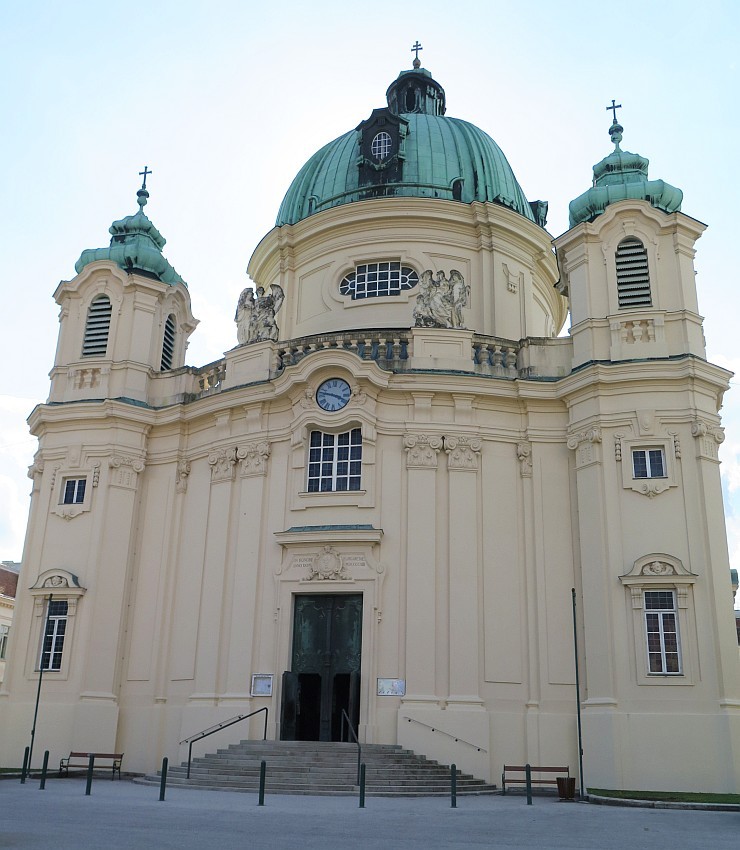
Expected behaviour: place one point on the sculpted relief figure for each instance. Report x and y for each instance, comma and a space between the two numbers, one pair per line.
440, 301
255, 315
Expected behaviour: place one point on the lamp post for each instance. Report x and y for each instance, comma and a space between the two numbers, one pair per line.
41, 673
578, 698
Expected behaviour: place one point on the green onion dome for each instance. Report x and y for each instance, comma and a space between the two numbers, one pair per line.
409, 149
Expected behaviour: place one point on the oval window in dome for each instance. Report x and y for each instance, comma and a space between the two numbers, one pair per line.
380, 146
374, 280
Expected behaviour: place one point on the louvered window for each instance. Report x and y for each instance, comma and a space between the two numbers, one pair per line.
168, 343
95, 342
633, 280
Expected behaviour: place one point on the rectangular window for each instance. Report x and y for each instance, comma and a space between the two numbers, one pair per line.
648, 463
73, 492
56, 627
3, 641
334, 461
661, 627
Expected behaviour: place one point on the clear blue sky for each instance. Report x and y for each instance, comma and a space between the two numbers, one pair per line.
226, 100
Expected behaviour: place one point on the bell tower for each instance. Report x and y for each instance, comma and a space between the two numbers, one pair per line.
125, 316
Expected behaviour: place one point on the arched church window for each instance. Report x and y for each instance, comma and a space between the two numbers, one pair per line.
372, 280
168, 343
95, 340
633, 279
410, 99
380, 146
457, 190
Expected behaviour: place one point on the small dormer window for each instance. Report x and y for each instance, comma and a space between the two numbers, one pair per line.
633, 278
381, 146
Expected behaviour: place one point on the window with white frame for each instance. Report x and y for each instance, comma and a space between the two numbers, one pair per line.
334, 461
661, 629
373, 280
55, 630
73, 491
380, 147
4, 631
648, 463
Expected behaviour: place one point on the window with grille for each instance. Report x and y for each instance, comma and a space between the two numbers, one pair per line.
380, 146
661, 627
168, 343
648, 463
54, 632
4, 631
633, 280
95, 340
371, 280
334, 461
73, 491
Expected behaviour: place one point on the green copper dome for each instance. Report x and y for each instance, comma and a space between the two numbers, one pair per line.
136, 245
411, 150
622, 176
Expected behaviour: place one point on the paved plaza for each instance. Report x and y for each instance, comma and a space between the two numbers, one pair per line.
126, 816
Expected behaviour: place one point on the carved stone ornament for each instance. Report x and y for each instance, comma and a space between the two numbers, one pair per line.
524, 453
35, 470
656, 571
709, 439
59, 584
181, 475
222, 463
359, 396
307, 400
327, 566
125, 471
255, 314
584, 443
658, 568
56, 581
462, 452
422, 450
618, 448
253, 458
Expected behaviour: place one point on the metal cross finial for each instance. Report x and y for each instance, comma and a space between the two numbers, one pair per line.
144, 173
416, 48
614, 107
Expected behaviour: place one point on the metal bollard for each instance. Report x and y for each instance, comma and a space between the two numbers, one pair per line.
163, 781
362, 786
453, 786
44, 767
528, 773
263, 771
24, 771
90, 765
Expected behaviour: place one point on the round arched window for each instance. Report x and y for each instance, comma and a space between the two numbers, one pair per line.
381, 146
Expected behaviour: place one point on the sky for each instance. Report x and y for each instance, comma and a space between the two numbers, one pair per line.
225, 101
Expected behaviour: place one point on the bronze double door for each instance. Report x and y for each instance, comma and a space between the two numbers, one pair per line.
324, 677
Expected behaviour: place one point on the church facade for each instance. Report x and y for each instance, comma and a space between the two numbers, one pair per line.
379, 502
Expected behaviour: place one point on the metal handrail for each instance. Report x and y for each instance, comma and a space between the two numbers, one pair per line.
442, 732
345, 716
211, 730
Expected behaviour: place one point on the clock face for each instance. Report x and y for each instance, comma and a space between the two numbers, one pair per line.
333, 394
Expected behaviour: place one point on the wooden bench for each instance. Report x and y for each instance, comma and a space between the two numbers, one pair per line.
82, 760
508, 779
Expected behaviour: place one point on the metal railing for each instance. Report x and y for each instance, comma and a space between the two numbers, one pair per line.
456, 739
345, 717
211, 730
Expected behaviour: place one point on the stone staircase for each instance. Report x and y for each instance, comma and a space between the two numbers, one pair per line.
313, 767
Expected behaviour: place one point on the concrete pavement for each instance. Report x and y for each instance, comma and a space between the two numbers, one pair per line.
125, 816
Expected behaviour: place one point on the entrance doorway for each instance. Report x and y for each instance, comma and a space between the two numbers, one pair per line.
324, 675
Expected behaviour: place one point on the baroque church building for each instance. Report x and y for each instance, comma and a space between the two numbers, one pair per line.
380, 499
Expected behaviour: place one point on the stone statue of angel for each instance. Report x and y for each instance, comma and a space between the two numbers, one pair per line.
440, 301
255, 314
459, 296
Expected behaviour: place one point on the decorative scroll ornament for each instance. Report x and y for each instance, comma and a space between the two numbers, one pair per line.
328, 566
422, 450
658, 568
462, 452
126, 471
35, 471
222, 463
253, 458
255, 315
524, 453
181, 475
96, 474
708, 437
618, 448
440, 301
